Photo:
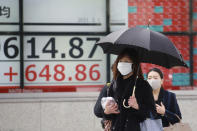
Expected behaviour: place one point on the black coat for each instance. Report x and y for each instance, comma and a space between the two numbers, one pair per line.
170, 102
128, 119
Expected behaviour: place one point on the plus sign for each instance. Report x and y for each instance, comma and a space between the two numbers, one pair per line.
10, 73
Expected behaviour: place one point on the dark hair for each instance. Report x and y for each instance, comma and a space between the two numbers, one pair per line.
156, 70
133, 55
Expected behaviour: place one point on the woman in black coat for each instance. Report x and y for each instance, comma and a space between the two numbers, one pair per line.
166, 102
128, 111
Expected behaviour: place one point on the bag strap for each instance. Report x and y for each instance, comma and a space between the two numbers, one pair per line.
178, 117
108, 86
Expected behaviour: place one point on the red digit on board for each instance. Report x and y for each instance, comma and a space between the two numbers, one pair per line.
80, 72
45, 73
96, 72
29, 73
59, 71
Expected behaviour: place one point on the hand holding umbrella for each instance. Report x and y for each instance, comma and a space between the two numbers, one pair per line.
132, 102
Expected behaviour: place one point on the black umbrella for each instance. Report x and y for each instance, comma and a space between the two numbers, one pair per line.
152, 47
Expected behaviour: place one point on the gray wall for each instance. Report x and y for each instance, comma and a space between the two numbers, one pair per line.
67, 111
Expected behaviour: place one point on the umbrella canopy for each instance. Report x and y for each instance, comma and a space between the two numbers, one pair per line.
152, 47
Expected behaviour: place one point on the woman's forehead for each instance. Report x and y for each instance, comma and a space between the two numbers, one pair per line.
153, 73
126, 57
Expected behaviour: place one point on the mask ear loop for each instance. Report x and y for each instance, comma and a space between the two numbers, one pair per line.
133, 93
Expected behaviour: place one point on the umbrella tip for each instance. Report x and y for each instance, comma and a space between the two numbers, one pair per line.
149, 20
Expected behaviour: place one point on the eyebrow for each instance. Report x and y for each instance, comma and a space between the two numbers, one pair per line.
153, 76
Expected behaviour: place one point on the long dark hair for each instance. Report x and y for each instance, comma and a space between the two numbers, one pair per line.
133, 55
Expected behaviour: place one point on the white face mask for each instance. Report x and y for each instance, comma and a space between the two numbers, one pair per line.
154, 83
124, 67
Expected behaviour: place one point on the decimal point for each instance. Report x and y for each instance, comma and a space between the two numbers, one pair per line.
63, 55
70, 78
